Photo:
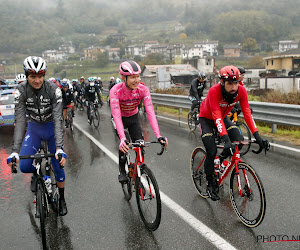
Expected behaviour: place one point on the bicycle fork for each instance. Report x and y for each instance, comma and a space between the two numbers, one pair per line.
239, 180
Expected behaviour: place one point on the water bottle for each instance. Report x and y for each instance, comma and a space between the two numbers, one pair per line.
224, 165
48, 185
217, 164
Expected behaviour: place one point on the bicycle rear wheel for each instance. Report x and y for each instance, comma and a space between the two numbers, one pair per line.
41, 209
192, 118
96, 118
245, 132
148, 198
197, 171
251, 207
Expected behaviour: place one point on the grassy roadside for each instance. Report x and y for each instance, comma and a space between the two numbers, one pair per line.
284, 133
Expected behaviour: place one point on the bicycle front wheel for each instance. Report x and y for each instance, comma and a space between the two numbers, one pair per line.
250, 207
197, 171
148, 198
41, 209
245, 132
127, 186
96, 119
70, 121
192, 118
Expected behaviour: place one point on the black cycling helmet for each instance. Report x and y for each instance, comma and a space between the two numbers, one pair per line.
202, 75
242, 70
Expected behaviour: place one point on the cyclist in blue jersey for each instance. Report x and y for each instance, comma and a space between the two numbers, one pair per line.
41, 100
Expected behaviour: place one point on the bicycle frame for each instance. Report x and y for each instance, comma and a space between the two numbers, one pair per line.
235, 160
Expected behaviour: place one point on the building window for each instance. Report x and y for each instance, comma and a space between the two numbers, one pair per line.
267, 62
272, 62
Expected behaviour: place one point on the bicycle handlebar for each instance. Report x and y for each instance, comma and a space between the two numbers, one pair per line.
265, 142
35, 156
141, 143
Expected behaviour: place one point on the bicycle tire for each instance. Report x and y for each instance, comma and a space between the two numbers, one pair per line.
41, 209
192, 116
148, 199
96, 118
70, 121
246, 209
198, 172
127, 186
55, 193
245, 132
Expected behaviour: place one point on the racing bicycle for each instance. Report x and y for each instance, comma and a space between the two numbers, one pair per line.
70, 118
246, 190
192, 118
45, 193
94, 114
142, 181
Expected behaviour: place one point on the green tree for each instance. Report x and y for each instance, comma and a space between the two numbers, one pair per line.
154, 59
256, 62
102, 59
249, 44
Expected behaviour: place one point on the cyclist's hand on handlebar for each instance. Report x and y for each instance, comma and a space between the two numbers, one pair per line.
10, 159
163, 141
263, 144
124, 145
229, 148
58, 152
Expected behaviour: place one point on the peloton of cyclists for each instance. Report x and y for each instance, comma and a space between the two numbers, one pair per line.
125, 98
213, 115
42, 101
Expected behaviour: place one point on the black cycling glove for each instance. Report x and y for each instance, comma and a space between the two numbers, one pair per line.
164, 139
258, 139
229, 148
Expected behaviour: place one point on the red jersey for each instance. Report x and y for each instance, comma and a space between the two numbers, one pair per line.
215, 108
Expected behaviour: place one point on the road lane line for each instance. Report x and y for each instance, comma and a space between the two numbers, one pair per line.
271, 143
205, 231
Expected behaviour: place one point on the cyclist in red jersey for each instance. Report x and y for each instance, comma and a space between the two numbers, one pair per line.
220, 99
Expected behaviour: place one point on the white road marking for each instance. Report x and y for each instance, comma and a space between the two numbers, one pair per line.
205, 231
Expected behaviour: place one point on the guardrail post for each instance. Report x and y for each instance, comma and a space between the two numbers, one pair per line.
155, 107
180, 111
274, 128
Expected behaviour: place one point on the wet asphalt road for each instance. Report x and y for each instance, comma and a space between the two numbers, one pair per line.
100, 218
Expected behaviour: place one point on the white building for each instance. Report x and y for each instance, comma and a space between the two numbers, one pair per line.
209, 47
287, 45
189, 53
54, 55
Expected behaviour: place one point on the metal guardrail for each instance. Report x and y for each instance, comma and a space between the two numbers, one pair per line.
274, 113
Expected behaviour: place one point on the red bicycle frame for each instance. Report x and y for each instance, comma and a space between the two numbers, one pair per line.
235, 160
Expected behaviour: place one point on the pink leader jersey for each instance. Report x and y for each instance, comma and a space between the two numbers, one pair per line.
125, 102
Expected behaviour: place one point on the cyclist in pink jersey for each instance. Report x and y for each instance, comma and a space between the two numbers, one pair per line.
219, 101
124, 101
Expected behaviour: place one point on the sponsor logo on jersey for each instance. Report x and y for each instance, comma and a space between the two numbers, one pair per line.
219, 125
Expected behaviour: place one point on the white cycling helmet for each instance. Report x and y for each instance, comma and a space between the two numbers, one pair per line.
20, 78
34, 65
112, 78
99, 78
